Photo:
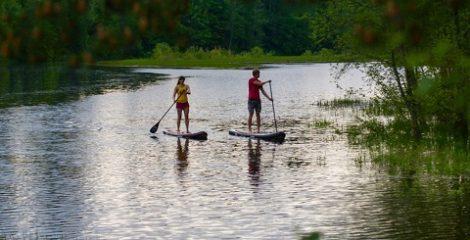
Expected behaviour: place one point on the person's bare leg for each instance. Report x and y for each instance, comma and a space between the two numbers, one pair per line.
258, 121
250, 120
186, 118
178, 121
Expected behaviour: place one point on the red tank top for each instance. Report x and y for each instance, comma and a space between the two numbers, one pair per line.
253, 90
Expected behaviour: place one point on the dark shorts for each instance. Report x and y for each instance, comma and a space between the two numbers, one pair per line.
182, 105
254, 105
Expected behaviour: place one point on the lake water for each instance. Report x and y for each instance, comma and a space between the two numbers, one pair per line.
77, 161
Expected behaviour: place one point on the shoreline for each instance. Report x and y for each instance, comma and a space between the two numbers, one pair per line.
235, 62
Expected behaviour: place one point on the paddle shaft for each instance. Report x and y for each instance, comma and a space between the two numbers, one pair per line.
174, 102
155, 127
274, 113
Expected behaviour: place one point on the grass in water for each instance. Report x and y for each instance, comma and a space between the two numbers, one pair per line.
340, 103
312, 236
423, 159
392, 146
322, 123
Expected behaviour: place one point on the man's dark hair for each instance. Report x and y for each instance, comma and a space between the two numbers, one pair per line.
255, 72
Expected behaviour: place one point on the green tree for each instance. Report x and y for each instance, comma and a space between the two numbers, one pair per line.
287, 31
76, 31
419, 51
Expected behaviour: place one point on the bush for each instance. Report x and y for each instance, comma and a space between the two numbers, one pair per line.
256, 51
163, 50
326, 52
218, 53
195, 53
307, 53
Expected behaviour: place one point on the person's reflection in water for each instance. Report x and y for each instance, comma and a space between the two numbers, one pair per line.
182, 157
254, 161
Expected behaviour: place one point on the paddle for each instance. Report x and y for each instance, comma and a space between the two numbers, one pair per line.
155, 127
274, 113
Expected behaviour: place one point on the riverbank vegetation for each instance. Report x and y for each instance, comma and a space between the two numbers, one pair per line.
418, 121
165, 56
420, 68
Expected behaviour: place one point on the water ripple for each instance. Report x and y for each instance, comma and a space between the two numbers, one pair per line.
87, 168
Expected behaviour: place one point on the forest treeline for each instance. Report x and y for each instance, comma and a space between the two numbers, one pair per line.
48, 30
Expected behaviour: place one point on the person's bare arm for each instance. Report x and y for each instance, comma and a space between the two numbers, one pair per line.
188, 90
260, 83
265, 94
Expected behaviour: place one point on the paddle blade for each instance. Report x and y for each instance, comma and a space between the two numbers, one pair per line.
154, 128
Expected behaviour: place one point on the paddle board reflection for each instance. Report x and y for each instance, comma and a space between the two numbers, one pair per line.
254, 161
182, 156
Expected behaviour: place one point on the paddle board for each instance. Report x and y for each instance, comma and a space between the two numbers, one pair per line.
268, 136
196, 135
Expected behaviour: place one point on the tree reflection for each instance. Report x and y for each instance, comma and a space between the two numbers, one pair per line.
420, 208
33, 85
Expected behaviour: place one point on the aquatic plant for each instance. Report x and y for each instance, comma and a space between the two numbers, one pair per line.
321, 123
341, 102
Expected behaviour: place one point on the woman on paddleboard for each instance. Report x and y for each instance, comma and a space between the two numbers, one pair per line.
180, 95
255, 85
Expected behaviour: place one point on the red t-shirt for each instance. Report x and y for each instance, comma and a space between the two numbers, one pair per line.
253, 90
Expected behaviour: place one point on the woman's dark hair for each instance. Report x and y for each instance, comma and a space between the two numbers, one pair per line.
181, 78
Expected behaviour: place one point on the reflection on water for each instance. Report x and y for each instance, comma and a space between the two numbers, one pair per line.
85, 167
408, 206
182, 156
254, 161
32, 85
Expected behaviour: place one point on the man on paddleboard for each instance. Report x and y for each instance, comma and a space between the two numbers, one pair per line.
255, 85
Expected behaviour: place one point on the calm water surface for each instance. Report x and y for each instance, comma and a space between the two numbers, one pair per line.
77, 161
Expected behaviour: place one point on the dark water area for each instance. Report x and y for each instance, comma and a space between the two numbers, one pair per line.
77, 161
33, 85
